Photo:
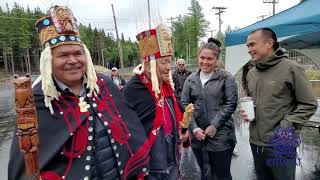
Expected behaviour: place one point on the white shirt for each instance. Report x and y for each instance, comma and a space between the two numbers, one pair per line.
204, 77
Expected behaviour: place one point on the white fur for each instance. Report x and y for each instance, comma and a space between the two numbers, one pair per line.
154, 77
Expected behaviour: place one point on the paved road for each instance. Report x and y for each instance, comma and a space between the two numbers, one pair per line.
241, 167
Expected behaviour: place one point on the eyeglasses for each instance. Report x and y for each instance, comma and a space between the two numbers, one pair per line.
113, 70
180, 64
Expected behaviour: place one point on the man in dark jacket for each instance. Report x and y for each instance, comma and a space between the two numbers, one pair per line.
151, 94
86, 130
283, 100
179, 76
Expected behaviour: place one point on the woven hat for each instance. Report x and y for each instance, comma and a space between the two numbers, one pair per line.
58, 27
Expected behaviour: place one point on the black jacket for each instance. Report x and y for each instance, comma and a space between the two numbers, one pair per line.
109, 154
214, 104
179, 79
143, 103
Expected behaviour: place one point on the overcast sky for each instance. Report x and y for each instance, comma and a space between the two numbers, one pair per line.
132, 15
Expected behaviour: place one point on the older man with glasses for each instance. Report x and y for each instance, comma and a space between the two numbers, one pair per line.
179, 76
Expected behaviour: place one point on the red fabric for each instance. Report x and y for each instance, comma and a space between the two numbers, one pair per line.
79, 139
50, 175
119, 129
140, 158
140, 176
121, 134
166, 91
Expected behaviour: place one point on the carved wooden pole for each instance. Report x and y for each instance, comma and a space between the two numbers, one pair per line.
27, 123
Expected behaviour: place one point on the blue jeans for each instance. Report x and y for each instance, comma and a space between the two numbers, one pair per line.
269, 168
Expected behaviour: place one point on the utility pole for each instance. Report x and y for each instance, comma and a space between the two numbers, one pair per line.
149, 18
274, 2
118, 40
262, 17
220, 11
211, 32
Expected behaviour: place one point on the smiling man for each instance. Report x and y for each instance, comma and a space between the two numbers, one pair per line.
86, 130
283, 99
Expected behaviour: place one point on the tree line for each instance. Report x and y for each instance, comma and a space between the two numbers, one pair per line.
20, 49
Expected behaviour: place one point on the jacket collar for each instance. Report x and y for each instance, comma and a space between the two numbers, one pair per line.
217, 75
271, 60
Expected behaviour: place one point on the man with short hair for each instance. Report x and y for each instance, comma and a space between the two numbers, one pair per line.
179, 76
86, 130
283, 100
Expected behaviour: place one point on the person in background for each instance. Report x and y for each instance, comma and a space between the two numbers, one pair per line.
117, 79
179, 76
213, 92
283, 100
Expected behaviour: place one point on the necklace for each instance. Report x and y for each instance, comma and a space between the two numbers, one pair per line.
83, 105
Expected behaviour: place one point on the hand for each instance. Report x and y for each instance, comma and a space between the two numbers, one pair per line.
184, 136
199, 134
243, 115
210, 131
120, 87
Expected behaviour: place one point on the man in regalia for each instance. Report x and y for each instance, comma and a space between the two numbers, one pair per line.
86, 130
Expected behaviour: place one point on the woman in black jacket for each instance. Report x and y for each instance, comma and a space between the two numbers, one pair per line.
214, 94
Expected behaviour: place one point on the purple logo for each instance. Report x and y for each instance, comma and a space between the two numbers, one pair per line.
284, 143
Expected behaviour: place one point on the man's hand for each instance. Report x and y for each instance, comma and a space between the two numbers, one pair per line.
199, 134
243, 115
210, 131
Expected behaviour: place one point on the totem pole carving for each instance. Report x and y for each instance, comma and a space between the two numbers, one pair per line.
27, 123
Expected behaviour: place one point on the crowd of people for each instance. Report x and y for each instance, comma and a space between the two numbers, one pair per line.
95, 127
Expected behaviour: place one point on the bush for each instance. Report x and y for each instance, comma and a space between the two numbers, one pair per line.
313, 74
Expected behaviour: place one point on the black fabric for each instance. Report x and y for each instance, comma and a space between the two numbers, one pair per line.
214, 104
203, 161
143, 103
178, 79
105, 165
54, 134
214, 165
